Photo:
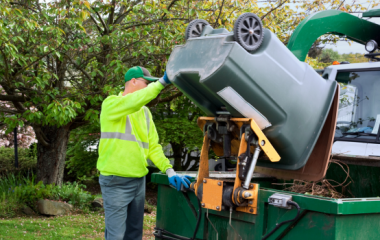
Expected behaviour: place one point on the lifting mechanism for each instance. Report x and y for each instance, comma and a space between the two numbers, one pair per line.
231, 138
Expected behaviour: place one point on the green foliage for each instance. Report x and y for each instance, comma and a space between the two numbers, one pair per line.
176, 123
80, 159
327, 56
27, 159
180, 130
17, 190
72, 193
9, 203
65, 57
30, 192
354, 57
60, 59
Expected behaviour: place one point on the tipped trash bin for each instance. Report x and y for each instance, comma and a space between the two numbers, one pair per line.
258, 78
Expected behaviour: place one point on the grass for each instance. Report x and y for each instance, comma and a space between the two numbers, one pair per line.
75, 226
149, 224
82, 224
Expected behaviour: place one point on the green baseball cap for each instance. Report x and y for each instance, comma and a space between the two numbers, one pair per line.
138, 72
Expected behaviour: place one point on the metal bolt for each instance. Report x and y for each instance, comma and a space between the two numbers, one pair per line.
247, 194
219, 184
251, 186
217, 208
204, 180
250, 202
262, 143
203, 205
251, 210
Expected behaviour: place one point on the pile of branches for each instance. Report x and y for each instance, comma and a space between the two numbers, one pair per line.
323, 187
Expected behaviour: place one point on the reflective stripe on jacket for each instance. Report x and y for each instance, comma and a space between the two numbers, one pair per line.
129, 136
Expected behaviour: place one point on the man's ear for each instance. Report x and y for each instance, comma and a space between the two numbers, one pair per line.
133, 81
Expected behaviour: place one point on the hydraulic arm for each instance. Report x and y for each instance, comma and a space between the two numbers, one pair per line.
239, 139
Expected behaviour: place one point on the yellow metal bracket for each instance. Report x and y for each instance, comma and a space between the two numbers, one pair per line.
212, 193
264, 143
252, 199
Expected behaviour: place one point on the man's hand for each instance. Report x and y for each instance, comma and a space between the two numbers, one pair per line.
176, 180
164, 80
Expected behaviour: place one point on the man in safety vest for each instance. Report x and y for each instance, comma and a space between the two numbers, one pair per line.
128, 139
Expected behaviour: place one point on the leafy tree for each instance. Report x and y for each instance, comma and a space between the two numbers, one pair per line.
59, 60
329, 55
176, 125
82, 151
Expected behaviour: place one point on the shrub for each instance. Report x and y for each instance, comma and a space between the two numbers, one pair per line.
74, 194
30, 193
81, 162
27, 159
17, 191
9, 203
80, 158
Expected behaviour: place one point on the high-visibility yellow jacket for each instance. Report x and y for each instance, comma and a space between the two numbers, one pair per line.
129, 136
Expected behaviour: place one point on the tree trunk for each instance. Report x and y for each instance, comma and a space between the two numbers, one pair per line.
51, 159
177, 155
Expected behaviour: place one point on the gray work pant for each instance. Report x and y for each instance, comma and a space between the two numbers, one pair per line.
123, 201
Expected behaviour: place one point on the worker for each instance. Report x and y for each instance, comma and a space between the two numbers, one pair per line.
128, 139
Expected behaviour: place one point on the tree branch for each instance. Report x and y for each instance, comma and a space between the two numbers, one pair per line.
24, 5
12, 98
279, 5
111, 15
167, 99
152, 22
122, 16
10, 92
32, 63
40, 136
168, 8
96, 24
78, 124
220, 12
6, 110
101, 20
6, 64
79, 68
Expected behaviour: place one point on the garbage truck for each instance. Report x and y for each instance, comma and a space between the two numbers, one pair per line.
279, 120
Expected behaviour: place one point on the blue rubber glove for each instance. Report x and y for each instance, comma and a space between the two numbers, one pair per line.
164, 80
176, 180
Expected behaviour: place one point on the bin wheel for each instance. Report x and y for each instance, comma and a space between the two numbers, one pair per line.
195, 28
248, 31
